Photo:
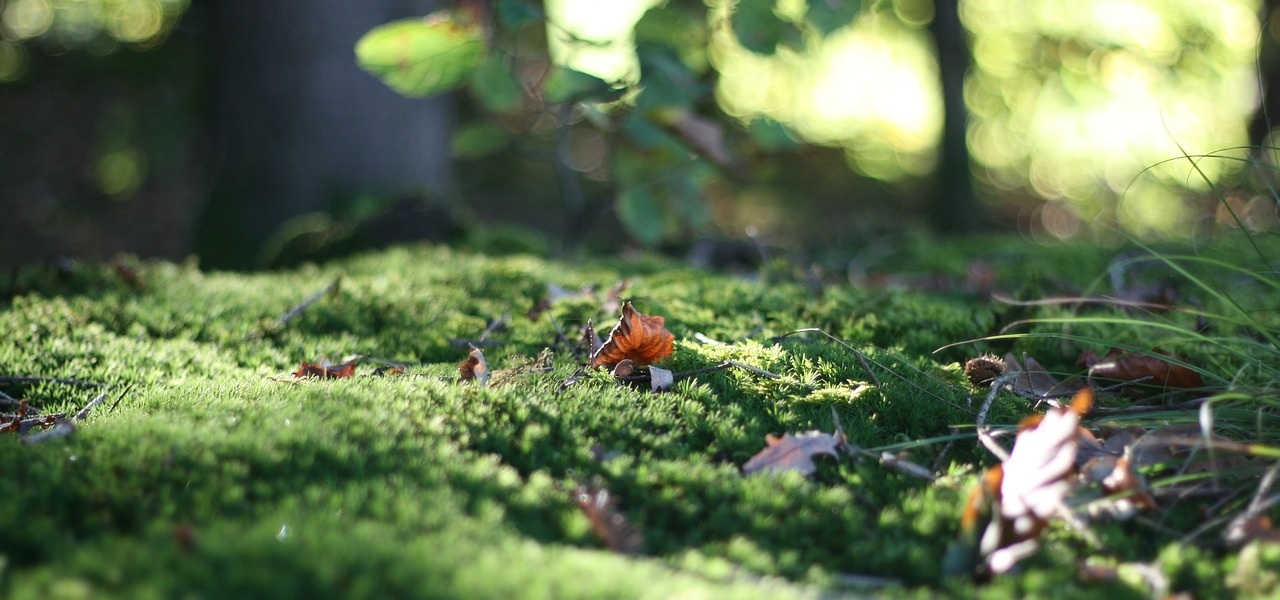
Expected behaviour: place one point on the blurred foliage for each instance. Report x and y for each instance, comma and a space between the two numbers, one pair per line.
1072, 100
99, 26
651, 131
1076, 108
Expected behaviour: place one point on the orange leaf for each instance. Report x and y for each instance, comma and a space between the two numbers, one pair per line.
474, 367
1132, 367
324, 370
637, 336
793, 452
607, 522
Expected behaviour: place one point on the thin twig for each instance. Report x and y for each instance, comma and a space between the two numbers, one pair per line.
84, 412
62, 380
984, 435
312, 299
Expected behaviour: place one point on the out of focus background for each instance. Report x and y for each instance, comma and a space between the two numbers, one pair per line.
247, 134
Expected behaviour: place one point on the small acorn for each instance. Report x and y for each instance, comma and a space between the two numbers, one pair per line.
982, 370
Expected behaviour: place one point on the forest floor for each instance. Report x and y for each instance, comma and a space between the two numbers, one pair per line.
173, 432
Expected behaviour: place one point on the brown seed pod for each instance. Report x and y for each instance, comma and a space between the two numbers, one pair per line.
983, 370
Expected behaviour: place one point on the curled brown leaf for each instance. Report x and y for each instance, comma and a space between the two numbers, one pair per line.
642, 338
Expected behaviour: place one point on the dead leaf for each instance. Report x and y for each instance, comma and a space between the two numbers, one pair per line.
1033, 379
642, 338
609, 524
474, 367
1036, 475
1133, 367
793, 452
324, 370
1018, 497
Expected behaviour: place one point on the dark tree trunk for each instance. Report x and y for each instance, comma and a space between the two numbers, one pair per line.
954, 206
297, 123
1269, 73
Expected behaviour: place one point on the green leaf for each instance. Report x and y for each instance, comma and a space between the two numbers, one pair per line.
829, 15
422, 57
641, 214
494, 87
514, 14
567, 85
667, 82
771, 135
478, 140
760, 29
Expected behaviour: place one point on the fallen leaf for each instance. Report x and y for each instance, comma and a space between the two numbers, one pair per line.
1133, 367
642, 338
609, 524
1033, 379
324, 370
793, 452
1036, 475
474, 367
1018, 497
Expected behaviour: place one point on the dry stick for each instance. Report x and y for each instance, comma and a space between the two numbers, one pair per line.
984, 435
84, 412
1236, 528
720, 367
312, 299
63, 380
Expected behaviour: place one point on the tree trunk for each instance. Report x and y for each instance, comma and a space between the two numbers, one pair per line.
298, 124
954, 207
1269, 73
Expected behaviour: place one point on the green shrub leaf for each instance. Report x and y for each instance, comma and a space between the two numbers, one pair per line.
422, 57
567, 85
829, 15
760, 29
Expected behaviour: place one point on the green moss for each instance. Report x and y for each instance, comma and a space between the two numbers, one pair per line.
217, 476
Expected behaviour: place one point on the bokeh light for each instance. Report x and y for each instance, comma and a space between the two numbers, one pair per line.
93, 24
1074, 100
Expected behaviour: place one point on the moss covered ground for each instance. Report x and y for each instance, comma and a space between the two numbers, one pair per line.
208, 471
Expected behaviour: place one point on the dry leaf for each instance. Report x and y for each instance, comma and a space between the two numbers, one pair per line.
474, 367
642, 338
607, 522
1029, 488
1036, 475
793, 452
1033, 379
324, 370
1132, 367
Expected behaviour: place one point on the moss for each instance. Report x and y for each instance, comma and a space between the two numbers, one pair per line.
214, 475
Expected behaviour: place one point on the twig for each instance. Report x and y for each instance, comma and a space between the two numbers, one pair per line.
984, 435
312, 299
1237, 528
720, 367
62, 380
84, 412
62, 429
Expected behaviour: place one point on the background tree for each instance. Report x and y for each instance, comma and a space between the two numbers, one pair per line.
297, 126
